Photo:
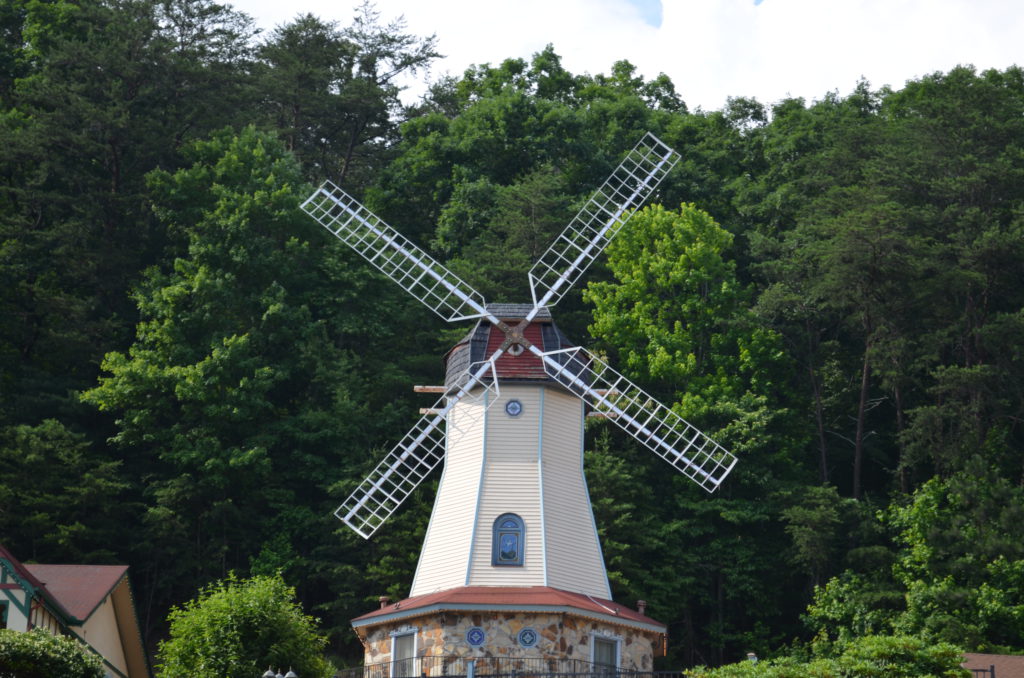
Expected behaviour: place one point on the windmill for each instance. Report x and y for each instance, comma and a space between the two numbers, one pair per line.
512, 507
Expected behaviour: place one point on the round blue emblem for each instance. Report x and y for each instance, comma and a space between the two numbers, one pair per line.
475, 636
527, 637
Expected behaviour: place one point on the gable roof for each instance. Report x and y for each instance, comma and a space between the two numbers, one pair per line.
79, 588
75, 592
35, 587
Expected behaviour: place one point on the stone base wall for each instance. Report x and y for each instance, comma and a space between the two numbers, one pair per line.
559, 636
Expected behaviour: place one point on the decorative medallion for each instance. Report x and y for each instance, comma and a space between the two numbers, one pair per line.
527, 637
475, 636
513, 408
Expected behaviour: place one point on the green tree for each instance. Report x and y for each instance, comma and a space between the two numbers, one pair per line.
246, 393
234, 627
333, 93
41, 654
105, 92
45, 514
678, 321
956, 576
962, 558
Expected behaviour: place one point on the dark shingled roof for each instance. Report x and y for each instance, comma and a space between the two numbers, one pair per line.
517, 311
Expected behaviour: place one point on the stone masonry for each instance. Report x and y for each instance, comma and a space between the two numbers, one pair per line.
561, 635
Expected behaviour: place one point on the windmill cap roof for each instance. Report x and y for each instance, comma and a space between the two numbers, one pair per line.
517, 311
510, 599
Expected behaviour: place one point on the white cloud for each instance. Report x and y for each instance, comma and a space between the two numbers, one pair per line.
711, 49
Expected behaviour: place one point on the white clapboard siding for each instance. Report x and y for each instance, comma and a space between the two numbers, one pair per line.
511, 484
574, 559
444, 558
530, 465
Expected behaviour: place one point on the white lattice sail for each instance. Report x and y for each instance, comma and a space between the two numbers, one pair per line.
396, 256
600, 219
627, 405
422, 449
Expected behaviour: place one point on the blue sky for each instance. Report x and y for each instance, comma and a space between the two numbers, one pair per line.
650, 11
712, 49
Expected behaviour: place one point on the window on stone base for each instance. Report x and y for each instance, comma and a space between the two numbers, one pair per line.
605, 653
403, 654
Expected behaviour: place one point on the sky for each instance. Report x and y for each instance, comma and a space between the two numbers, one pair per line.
711, 49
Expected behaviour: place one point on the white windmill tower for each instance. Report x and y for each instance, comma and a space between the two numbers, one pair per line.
511, 564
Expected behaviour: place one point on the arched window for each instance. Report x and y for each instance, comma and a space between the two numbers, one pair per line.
507, 543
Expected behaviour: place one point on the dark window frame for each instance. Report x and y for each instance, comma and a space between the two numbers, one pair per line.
508, 526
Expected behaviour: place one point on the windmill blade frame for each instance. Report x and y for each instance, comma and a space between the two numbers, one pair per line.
597, 222
409, 462
664, 432
393, 254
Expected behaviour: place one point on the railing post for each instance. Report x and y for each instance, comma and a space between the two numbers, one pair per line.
470, 668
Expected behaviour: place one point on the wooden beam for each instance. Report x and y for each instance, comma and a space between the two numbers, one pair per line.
429, 389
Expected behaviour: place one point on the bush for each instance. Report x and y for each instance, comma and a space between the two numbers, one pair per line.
236, 628
40, 654
866, 657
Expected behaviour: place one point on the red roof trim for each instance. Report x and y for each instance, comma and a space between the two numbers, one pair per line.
510, 598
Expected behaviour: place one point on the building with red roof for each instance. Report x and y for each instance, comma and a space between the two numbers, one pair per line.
91, 603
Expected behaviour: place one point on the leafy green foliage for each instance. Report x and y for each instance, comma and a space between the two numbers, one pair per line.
962, 559
866, 657
241, 396
41, 654
46, 513
234, 627
680, 322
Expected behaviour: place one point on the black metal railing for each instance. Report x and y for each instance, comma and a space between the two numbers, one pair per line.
990, 672
494, 667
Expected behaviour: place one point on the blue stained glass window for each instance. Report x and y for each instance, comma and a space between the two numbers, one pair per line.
507, 546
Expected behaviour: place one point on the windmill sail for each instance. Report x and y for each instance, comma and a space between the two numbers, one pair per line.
395, 477
599, 220
396, 256
419, 452
663, 431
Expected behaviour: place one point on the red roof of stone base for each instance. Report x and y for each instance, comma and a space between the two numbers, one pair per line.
79, 588
508, 599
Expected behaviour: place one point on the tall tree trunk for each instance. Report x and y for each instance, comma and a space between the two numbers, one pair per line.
904, 482
858, 445
819, 409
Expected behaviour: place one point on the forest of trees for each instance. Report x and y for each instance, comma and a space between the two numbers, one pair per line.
193, 375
